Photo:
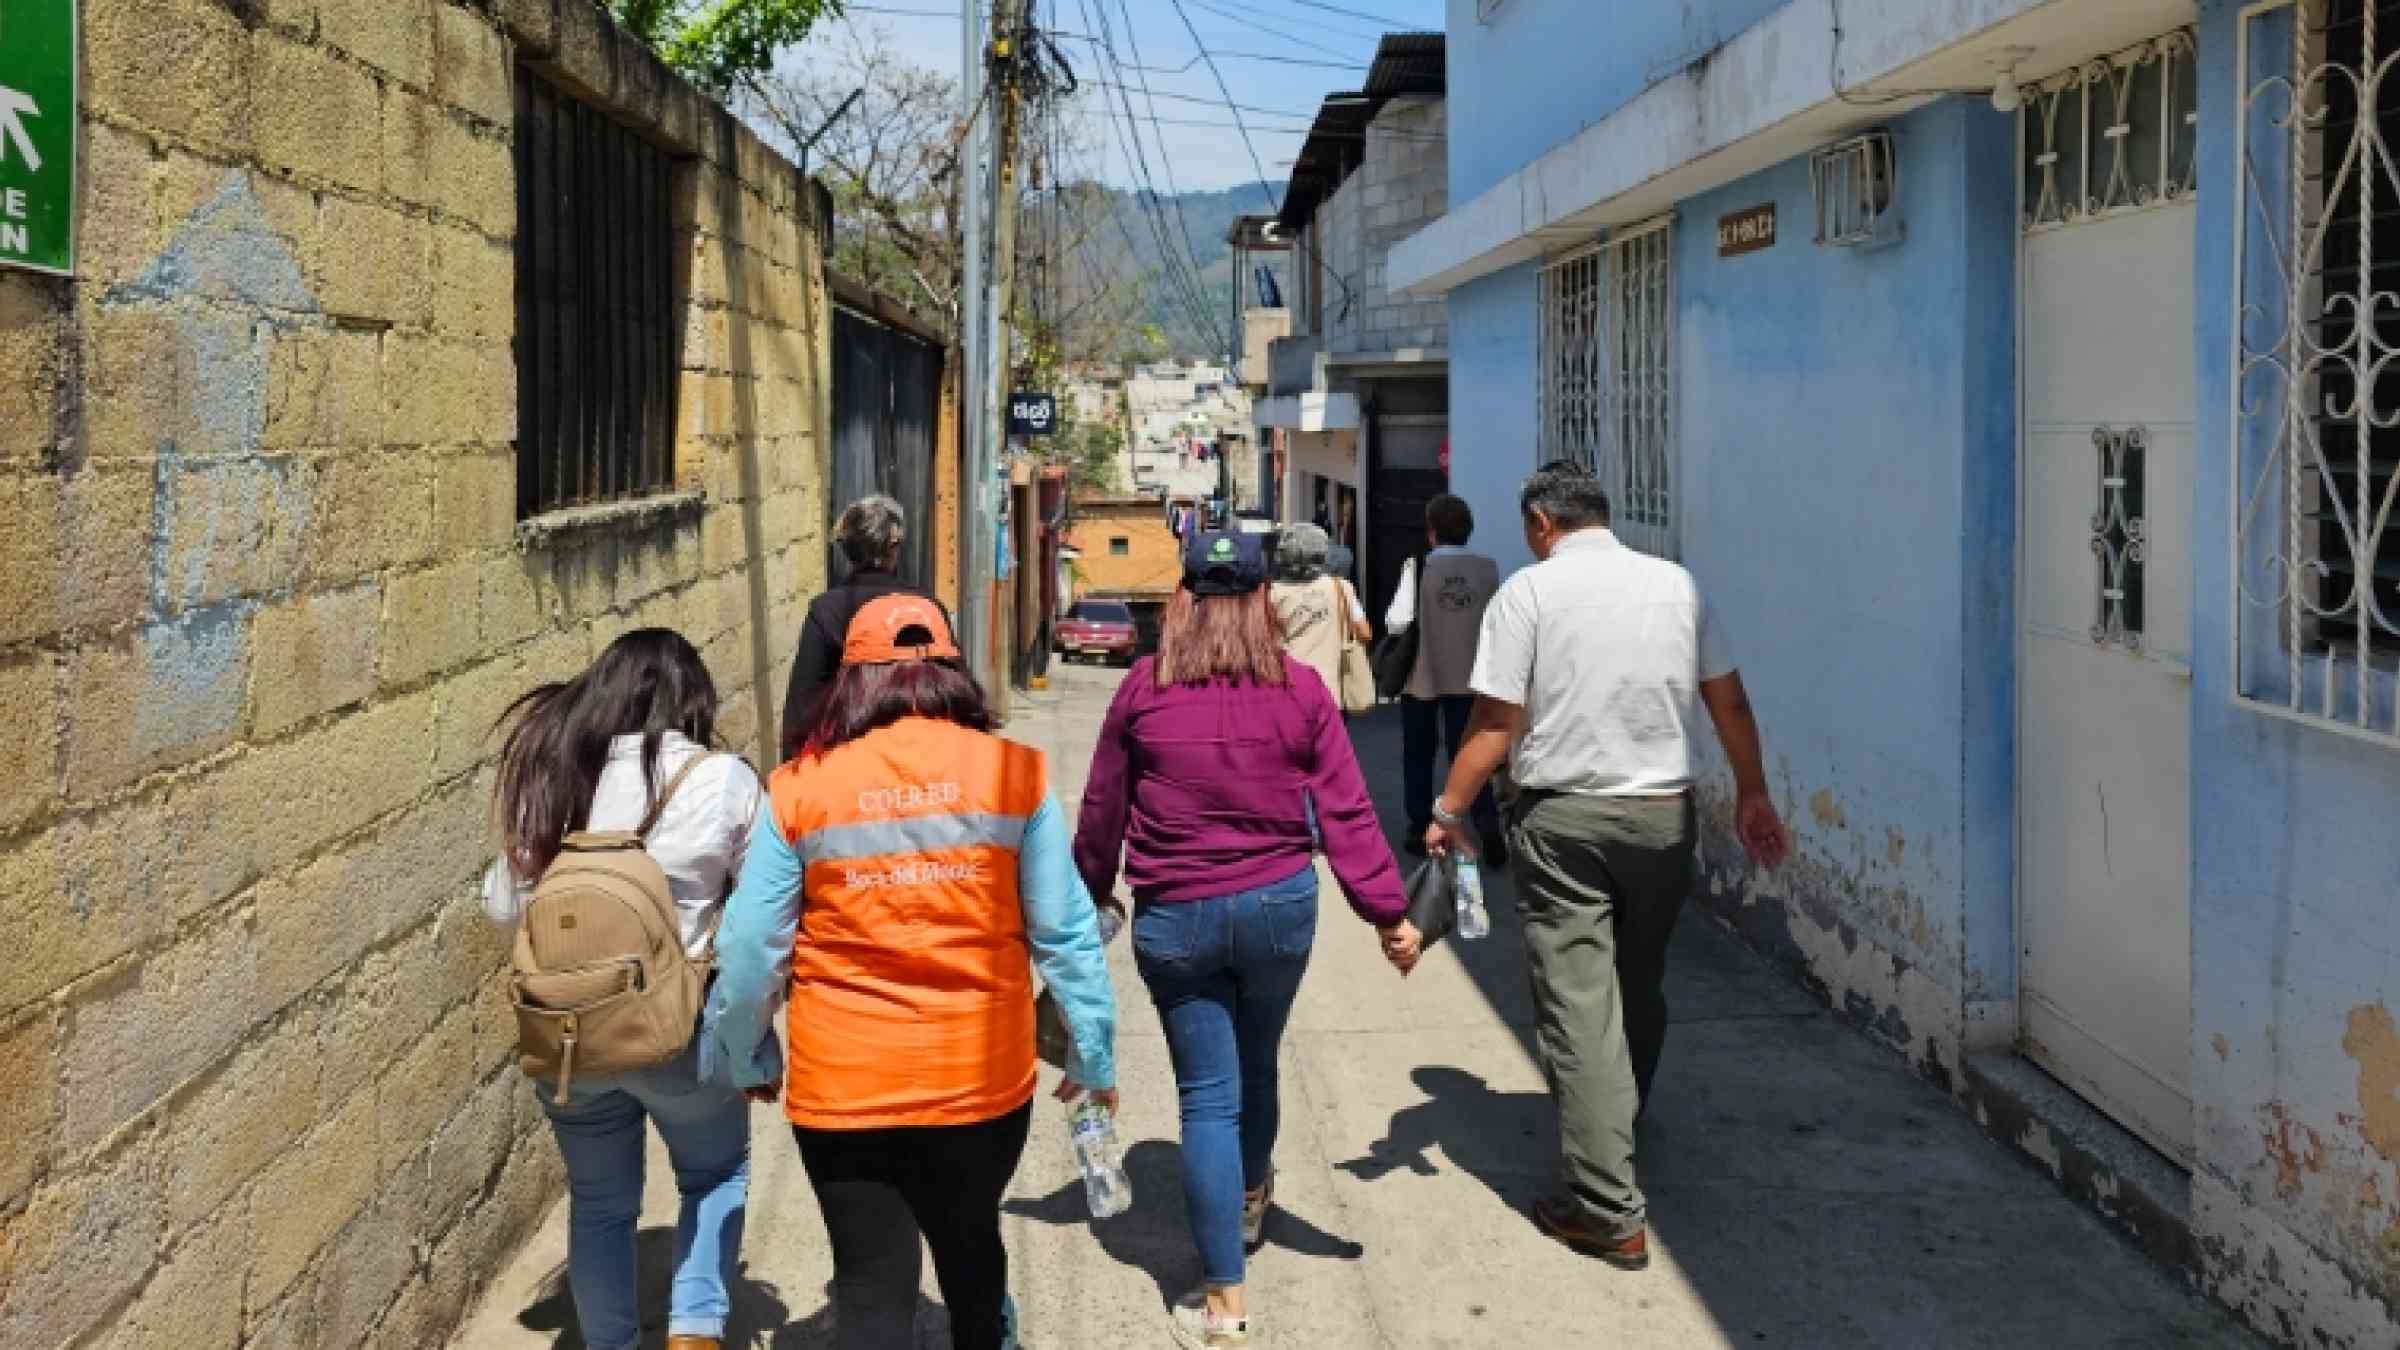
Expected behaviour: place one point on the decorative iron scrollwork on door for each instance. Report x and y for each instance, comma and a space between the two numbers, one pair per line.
2120, 535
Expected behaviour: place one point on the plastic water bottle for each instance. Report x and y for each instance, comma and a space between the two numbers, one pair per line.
1093, 1131
1474, 921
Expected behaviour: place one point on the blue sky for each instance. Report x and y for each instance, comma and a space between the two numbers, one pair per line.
1236, 31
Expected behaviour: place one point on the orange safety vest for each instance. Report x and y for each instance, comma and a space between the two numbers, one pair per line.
912, 983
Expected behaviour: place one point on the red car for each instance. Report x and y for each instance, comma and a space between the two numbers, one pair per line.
1098, 630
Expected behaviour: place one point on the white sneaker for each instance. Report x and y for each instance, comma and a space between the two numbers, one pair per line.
1196, 1328
1254, 1214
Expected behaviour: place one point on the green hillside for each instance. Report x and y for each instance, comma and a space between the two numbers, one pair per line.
1202, 218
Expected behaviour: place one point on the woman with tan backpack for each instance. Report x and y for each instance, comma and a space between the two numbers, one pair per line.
621, 835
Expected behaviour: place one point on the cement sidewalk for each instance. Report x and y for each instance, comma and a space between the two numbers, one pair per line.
1805, 1189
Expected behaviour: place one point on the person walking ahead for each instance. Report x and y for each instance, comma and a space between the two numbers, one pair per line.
934, 865
1442, 595
870, 532
1202, 782
625, 746
1315, 609
1595, 656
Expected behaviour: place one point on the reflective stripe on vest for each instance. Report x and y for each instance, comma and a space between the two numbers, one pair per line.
917, 834
912, 994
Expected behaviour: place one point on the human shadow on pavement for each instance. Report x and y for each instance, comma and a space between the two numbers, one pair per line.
758, 1307
1155, 1236
816, 1331
1498, 1138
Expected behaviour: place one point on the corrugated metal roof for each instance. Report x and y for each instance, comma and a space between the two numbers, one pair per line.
1406, 64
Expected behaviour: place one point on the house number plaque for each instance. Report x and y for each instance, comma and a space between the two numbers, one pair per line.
1746, 231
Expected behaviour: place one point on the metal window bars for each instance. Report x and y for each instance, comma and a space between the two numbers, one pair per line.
2114, 134
2121, 536
1607, 382
2316, 334
1855, 182
597, 325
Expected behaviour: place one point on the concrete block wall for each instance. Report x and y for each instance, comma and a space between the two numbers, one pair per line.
262, 596
1400, 186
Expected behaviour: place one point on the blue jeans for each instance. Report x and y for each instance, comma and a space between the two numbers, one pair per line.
706, 1124
1223, 973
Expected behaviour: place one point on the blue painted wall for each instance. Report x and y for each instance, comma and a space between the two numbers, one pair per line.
1538, 71
2295, 895
1848, 440
1494, 427
1848, 431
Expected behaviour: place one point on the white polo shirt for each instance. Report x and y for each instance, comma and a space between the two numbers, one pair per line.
1605, 648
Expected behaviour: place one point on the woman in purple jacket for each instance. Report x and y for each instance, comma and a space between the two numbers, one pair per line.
1219, 767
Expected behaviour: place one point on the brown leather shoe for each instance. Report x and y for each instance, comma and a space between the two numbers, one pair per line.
694, 1343
1560, 1221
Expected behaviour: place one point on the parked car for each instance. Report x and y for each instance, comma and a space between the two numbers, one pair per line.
1100, 630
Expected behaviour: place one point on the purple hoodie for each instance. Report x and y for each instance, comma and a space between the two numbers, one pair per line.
1205, 790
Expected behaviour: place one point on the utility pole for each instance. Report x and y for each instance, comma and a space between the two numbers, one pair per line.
1007, 56
975, 482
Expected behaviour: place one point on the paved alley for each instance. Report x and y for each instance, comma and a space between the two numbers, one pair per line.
1806, 1190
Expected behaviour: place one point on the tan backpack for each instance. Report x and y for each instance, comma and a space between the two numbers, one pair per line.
598, 974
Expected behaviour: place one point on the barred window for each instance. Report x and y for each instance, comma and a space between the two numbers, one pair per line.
1607, 371
2317, 405
596, 319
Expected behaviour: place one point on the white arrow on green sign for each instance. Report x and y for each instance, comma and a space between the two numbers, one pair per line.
37, 135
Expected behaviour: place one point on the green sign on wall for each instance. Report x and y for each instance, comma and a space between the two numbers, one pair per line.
37, 135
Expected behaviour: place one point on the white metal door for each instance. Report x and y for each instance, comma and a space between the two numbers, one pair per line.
2104, 738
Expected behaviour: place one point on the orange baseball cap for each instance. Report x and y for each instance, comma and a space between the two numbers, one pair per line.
876, 630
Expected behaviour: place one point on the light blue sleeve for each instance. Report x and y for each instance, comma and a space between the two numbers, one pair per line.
754, 962
1063, 927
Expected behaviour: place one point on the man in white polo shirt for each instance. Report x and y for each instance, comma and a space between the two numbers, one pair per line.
1593, 664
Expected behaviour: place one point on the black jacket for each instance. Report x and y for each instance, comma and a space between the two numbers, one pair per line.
821, 635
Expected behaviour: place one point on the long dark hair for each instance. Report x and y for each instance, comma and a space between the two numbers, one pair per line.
649, 682
864, 698
1220, 637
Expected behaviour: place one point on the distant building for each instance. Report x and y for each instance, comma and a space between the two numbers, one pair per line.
1254, 463
1121, 548
1358, 396
1181, 419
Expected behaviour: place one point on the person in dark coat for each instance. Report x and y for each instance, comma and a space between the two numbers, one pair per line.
870, 533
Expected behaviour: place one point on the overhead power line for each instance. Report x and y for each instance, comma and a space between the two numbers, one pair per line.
1227, 91
1254, 25
1302, 114
1395, 25
1180, 269
1227, 56
1425, 136
1133, 45
1250, 7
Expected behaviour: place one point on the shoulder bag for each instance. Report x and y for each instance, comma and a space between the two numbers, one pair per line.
1358, 673
1396, 655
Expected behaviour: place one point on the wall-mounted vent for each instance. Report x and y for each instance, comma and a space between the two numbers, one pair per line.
1857, 186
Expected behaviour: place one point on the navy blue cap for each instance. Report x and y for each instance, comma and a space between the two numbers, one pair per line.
1223, 562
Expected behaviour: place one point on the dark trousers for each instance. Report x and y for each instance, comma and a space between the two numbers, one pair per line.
1600, 882
950, 1179
1424, 724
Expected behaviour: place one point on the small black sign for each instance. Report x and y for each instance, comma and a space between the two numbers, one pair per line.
1032, 414
1746, 231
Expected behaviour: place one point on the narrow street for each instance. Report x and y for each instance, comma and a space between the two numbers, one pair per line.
1806, 1190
